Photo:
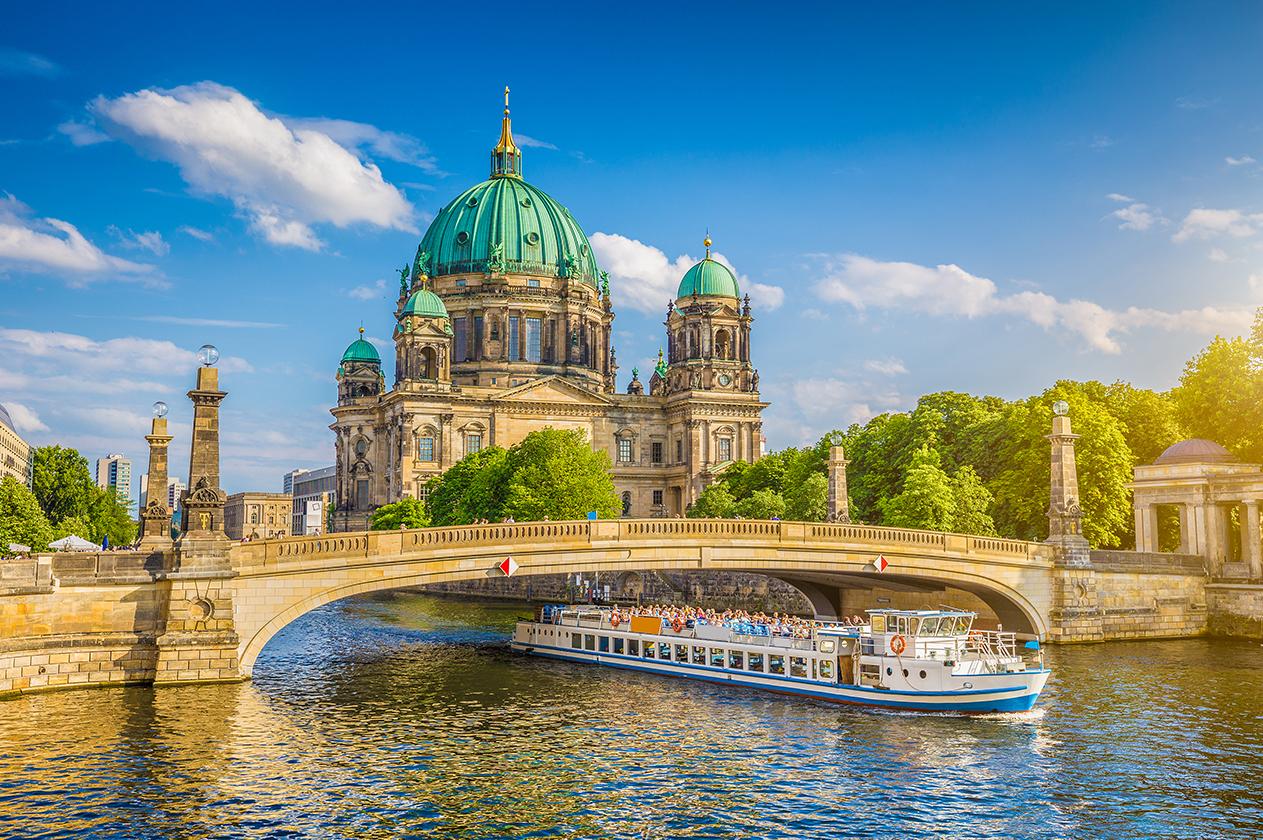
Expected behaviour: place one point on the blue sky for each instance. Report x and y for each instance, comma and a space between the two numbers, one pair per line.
969, 197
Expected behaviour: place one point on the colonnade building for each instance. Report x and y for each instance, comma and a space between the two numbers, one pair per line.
1217, 500
503, 325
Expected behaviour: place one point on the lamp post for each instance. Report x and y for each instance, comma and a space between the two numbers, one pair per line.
839, 504
155, 519
202, 505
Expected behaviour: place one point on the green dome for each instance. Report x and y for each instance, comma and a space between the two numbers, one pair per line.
708, 278
425, 304
538, 236
361, 351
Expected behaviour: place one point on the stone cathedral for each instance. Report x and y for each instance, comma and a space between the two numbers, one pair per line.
503, 326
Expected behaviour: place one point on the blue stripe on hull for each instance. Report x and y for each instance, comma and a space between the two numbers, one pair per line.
1019, 703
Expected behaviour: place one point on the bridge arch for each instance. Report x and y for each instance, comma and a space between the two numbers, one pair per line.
280, 580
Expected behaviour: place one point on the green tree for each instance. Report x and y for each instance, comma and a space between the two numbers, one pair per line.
715, 502
405, 513
21, 520
73, 525
473, 488
761, 504
971, 503
556, 474
807, 500
927, 500
1220, 397
61, 482
109, 518
1148, 419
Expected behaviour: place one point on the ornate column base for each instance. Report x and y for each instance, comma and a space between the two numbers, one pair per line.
155, 528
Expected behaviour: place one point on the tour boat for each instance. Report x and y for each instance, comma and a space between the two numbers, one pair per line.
919, 660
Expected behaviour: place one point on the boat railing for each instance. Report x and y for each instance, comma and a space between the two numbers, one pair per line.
989, 644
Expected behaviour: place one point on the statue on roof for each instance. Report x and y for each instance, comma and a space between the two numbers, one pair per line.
421, 265
571, 266
403, 280
495, 259
605, 284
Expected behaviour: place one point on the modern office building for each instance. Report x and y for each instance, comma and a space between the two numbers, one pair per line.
115, 471
313, 496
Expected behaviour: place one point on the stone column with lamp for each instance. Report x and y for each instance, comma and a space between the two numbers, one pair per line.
155, 519
839, 503
199, 639
1074, 580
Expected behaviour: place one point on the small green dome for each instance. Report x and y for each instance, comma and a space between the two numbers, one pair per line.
425, 304
361, 351
708, 278
533, 232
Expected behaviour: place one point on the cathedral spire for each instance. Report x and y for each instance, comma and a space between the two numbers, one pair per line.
506, 157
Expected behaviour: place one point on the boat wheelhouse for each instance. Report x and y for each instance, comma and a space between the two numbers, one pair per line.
927, 660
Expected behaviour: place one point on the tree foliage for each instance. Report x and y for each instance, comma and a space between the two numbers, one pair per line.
1220, 396
549, 474
21, 520
405, 513
73, 502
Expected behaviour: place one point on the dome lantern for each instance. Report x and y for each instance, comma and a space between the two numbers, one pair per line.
361, 351
506, 157
708, 278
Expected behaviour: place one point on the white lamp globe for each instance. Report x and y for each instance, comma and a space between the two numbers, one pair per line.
208, 354
1061, 408
159, 409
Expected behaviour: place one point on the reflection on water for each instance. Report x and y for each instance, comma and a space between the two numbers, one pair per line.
405, 714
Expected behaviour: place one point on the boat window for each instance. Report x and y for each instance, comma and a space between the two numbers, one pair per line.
649, 650
699, 655
681, 653
717, 657
633, 647
734, 659
879, 623
618, 645
797, 666
826, 669
914, 626
589, 641
664, 650
603, 644
827, 645
755, 661
775, 664
576, 640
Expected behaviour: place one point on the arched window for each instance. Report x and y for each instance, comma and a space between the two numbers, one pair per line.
361, 446
425, 445
429, 363
723, 344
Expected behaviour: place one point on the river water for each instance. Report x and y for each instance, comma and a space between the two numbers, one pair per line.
405, 715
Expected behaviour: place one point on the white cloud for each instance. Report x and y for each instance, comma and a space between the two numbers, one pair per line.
1101, 141
372, 292
1218, 255
82, 134
150, 240
390, 145
1136, 216
1239, 161
949, 290
814, 314
33, 351
53, 246
21, 63
25, 419
644, 279
886, 367
1204, 223
283, 178
1193, 103
196, 233
531, 143
1125, 199
206, 322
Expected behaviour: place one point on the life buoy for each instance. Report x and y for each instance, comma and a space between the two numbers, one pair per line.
898, 644
677, 625
615, 620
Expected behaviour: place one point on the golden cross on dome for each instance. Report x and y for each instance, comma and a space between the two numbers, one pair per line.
506, 100
706, 242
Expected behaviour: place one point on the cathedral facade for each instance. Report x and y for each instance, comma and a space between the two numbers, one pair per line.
503, 326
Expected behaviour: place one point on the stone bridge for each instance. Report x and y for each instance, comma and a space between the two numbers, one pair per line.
78, 620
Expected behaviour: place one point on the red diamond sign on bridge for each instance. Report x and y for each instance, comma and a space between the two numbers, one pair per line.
880, 564
508, 565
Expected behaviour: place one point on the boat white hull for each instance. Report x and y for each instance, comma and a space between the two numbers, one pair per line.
1002, 692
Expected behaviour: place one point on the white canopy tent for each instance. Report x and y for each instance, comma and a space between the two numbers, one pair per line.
73, 543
